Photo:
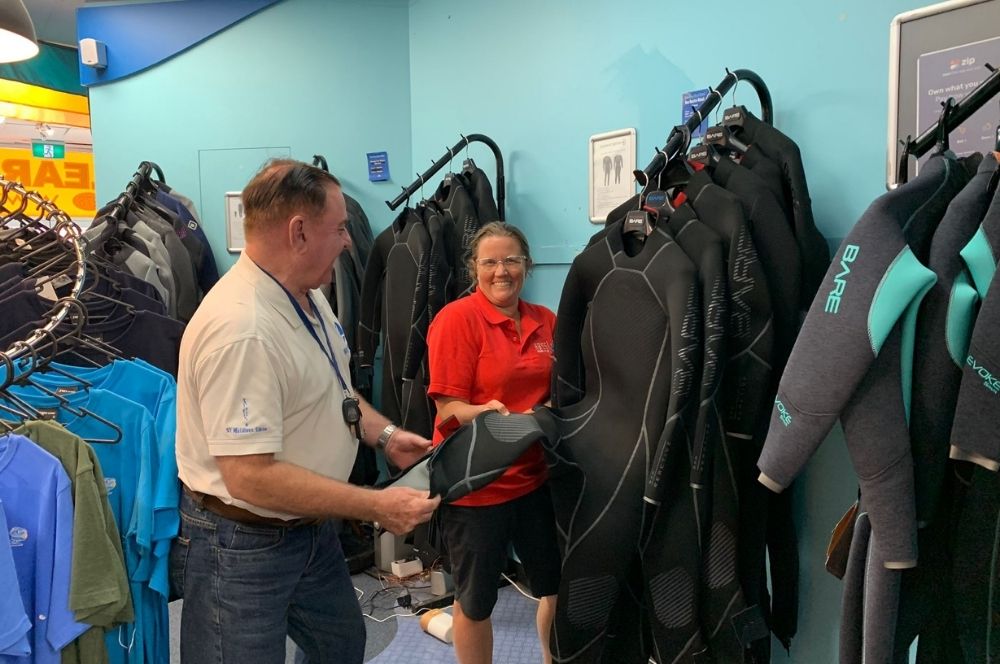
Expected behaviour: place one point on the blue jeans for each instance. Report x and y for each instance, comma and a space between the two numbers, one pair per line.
246, 587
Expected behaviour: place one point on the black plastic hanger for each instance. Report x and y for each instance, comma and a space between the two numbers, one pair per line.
724, 138
943, 130
677, 172
64, 403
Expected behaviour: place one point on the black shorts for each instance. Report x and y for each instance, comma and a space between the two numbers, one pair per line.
477, 538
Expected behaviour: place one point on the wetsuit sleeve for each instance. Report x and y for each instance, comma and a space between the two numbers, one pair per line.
977, 416
370, 314
568, 377
873, 280
686, 321
419, 242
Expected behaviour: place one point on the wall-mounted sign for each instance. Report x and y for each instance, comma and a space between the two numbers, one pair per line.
691, 102
378, 166
48, 150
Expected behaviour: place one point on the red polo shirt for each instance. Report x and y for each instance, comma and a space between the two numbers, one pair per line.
475, 354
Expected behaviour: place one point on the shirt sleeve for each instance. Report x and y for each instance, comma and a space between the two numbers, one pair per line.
453, 354
240, 396
61, 625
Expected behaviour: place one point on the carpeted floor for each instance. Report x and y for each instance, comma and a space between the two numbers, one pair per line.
515, 640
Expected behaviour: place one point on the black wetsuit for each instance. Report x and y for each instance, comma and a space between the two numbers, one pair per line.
394, 308
454, 201
611, 416
813, 249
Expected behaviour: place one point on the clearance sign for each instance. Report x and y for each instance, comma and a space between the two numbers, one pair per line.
67, 182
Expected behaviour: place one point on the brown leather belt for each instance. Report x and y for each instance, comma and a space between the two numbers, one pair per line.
215, 505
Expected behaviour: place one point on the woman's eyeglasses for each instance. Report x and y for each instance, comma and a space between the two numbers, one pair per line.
509, 262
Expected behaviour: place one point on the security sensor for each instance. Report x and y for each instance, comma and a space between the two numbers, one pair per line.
93, 53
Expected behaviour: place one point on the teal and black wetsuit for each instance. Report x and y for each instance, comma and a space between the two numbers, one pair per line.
853, 358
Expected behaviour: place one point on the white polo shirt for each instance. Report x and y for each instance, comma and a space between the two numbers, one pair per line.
253, 380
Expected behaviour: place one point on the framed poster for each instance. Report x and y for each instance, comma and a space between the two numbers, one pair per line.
937, 52
612, 160
235, 240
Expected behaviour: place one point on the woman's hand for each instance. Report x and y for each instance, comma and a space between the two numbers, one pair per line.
404, 448
494, 405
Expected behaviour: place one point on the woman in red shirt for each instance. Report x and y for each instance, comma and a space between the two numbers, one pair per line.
493, 351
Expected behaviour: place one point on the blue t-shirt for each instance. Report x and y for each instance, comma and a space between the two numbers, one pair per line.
130, 468
156, 391
38, 503
14, 624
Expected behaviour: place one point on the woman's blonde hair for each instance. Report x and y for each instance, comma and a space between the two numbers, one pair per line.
496, 229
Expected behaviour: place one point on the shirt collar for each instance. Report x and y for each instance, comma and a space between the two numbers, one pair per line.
495, 317
267, 289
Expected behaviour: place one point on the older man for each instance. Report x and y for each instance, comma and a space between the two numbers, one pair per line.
267, 431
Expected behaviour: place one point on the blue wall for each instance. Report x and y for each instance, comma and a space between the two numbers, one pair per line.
303, 77
348, 77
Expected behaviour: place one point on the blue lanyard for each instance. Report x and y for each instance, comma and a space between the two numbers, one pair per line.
328, 349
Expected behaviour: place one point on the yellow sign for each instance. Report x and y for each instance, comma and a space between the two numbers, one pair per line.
69, 182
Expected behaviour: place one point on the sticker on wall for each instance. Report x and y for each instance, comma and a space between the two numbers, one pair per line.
691, 102
378, 166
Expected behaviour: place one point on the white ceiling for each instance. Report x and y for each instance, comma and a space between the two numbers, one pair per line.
55, 20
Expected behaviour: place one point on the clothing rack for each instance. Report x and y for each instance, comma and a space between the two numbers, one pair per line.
68, 234
952, 116
446, 159
124, 201
679, 137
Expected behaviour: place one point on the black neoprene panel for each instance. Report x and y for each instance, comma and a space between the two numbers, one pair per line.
453, 199
813, 250
394, 308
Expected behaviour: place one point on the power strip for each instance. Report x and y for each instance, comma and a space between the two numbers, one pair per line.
403, 568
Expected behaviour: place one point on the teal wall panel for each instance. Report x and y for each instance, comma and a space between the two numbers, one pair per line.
321, 77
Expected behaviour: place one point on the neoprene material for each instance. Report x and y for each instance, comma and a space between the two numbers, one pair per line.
612, 412
476, 454
944, 326
454, 201
813, 249
876, 281
394, 299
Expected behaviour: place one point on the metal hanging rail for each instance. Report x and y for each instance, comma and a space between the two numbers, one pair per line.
446, 159
676, 140
953, 115
69, 235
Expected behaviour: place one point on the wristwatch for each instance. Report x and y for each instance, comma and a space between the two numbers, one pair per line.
383, 438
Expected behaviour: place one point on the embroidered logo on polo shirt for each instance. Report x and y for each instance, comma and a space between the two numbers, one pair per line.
246, 429
543, 346
110, 484
18, 536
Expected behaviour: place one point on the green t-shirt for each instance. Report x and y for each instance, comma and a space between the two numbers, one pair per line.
99, 592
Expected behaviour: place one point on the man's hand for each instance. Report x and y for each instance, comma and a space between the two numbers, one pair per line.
401, 509
406, 448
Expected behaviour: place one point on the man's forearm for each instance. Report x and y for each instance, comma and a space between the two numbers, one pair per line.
285, 487
372, 421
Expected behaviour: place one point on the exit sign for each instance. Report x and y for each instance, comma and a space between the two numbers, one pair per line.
48, 150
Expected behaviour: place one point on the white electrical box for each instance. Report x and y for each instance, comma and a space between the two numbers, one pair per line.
93, 53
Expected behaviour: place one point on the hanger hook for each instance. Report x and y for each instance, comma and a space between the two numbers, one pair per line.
947, 108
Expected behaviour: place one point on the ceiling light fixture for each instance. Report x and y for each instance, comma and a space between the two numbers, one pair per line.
17, 33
